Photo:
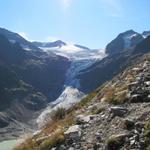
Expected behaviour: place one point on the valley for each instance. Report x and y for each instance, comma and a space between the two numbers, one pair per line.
45, 77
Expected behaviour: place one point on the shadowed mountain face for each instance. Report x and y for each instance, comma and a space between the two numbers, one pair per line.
46, 73
124, 41
115, 62
28, 81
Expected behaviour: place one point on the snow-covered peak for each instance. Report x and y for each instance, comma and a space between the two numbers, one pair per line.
75, 52
146, 34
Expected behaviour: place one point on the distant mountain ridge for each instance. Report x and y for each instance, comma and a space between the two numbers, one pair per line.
119, 57
58, 43
124, 41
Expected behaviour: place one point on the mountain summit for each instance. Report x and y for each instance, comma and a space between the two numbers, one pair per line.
124, 41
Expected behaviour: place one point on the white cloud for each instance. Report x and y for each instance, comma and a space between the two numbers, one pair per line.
24, 35
112, 7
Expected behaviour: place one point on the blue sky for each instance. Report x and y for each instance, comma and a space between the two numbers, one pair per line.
92, 23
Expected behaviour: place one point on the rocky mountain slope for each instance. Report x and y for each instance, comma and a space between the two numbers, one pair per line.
115, 116
28, 81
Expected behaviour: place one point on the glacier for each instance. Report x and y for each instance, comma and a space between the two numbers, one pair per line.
80, 59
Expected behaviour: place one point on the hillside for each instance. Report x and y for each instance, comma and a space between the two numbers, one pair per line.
27, 83
115, 116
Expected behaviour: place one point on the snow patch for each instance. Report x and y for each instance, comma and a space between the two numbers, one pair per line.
70, 49
69, 97
127, 40
80, 59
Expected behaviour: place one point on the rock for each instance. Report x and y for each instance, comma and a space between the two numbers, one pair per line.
118, 111
96, 146
137, 69
98, 136
82, 119
128, 124
73, 133
85, 126
142, 144
116, 141
145, 64
132, 142
135, 98
62, 147
147, 83
71, 148
77, 146
139, 126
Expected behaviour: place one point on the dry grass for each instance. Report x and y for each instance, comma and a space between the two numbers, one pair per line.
114, 94
51, 135
58, 114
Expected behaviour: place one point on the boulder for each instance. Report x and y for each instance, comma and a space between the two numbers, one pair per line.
139, 126
98, 136
83, 119
135, 98
147, 83
137, 69
129, 124
115, 142
73, 133
118, 111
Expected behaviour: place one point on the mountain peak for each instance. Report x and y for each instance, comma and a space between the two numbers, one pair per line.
123, 41
57, 43
129, 32
146, 34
